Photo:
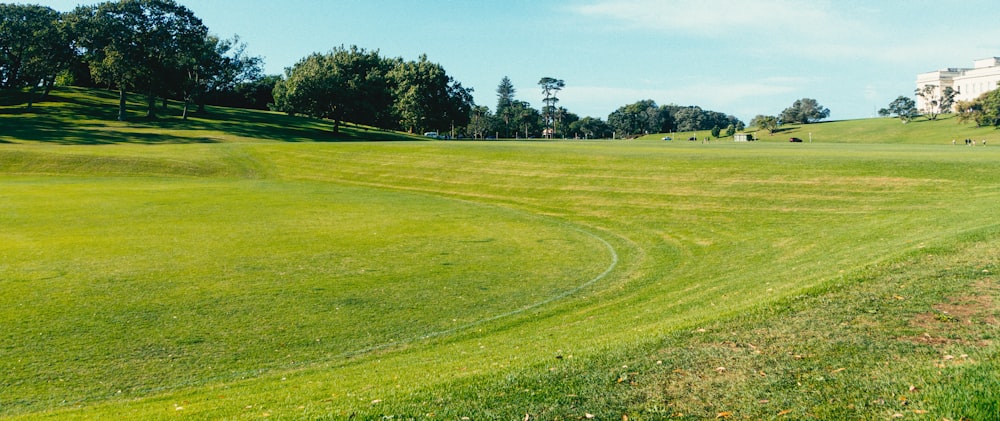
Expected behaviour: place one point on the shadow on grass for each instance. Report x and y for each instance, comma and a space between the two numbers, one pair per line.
76, 116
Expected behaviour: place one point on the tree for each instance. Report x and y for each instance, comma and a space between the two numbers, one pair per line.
689, 119
34, 47
903, 107
550, 88
936, 100
427, 98
505, 99
343, 85
804, 111
590, 128
257, 93
139, 44
641, 117
481, 122
984, 110
222, 68
765, 122
525, 118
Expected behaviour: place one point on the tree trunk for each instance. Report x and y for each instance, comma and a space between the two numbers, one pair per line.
150, 105
121, 104
31, 97
49, 83
184, 114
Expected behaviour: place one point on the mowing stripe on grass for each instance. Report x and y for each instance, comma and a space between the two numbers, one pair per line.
611, 267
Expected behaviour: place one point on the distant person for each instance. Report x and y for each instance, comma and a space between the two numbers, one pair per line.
953, 142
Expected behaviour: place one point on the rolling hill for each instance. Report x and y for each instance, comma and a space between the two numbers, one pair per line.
248, 265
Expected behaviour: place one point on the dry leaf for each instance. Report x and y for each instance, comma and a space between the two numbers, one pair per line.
724, 415
785, 412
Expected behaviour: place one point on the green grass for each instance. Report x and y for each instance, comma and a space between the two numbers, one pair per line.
872, 131
271, 273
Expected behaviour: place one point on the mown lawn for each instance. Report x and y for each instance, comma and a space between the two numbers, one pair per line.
249, 277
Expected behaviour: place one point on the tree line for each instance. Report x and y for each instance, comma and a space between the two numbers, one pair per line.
982, 111
359, 86
514, 118
154, 47
161, 50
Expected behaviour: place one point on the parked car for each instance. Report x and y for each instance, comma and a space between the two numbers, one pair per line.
692, 138
433, 135
795, 139
667, 138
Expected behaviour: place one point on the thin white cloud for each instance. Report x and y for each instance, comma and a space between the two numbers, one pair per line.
820, 30
720, 17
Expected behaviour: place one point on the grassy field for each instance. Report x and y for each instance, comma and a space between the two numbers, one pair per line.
249, 265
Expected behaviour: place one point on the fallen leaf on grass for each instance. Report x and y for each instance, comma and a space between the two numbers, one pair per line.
785, 412
724, 415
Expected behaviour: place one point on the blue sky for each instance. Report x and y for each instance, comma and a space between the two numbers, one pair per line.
740, 57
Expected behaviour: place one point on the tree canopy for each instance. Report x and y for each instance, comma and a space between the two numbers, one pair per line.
357, 85
984, 110
34, 46
804, 111
550, 88
139, 44
343, 85
903, 107
162, 50
765, 122
937, 100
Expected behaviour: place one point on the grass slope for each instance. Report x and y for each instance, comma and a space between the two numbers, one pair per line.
874, 131
221, 271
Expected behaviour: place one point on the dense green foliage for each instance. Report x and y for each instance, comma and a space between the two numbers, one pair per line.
34, 46
902, 107
983, 111
262, 272
804, 111
155, 47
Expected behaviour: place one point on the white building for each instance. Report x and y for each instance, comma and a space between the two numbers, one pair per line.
968, 83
